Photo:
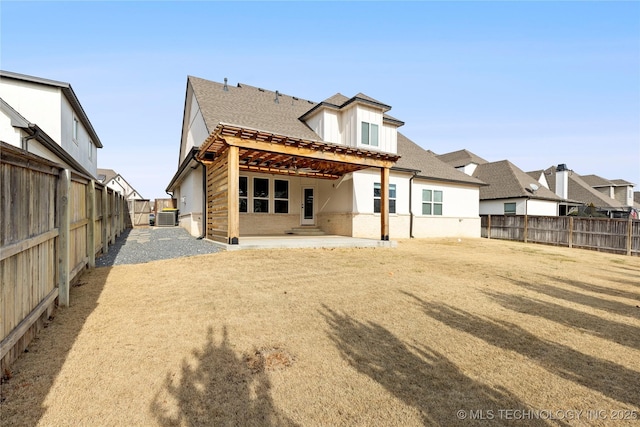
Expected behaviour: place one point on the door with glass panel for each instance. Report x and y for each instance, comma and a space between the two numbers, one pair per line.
307, 212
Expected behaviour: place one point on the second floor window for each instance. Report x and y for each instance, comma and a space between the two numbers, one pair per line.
369, 134
74, 131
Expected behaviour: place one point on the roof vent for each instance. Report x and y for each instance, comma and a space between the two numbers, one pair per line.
561, 167
277, 101
225, 88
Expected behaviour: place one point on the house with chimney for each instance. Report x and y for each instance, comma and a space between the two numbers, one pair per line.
509, 190
587, 200
259, 162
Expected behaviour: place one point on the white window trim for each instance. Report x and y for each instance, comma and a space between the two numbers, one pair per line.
287, 199
75, 127
432, 202
368, 142
271, 198
390, 198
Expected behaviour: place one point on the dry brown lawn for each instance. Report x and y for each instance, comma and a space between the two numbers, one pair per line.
431, 332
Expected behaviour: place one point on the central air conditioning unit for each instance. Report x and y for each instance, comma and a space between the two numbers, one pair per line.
166, 219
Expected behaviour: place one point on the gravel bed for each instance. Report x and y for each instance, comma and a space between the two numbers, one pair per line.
140, 245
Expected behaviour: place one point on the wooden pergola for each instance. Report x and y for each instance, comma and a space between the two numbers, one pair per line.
230, 149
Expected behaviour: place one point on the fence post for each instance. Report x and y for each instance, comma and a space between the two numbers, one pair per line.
526, 227
571, 232
113, 217
105, 217
91, 227
489, 226
64, 189
629, 234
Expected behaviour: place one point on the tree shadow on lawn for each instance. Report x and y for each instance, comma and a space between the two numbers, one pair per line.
220, 389
35, 372
619, 333
615, 307
612, 380
419, 376
601, 289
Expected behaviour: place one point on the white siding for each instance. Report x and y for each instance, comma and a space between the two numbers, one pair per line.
523, 207
37, 103
78, 148
8, 133
389, 140
542, 207
349, 128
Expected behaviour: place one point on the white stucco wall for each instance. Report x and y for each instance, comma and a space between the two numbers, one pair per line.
523, 207
8, 133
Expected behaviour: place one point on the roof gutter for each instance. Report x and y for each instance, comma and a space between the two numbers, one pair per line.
203, 233
411, 204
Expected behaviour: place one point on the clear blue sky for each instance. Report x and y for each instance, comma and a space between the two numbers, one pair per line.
537, 83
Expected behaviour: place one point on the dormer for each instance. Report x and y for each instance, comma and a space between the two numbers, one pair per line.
359, 122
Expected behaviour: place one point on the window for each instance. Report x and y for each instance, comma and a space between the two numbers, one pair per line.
377, 193
509, 208
261, 195
369, 134
244, 194
281, 196
74, 130
432, 202
90, 150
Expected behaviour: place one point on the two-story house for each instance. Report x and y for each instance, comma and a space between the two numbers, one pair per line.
257, 162
45, 117
117, 182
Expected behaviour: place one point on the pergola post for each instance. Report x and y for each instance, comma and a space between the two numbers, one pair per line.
384, 203
233, 194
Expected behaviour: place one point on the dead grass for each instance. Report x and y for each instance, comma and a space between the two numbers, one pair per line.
405, 336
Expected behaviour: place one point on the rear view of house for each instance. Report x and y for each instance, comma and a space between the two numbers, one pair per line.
258, 162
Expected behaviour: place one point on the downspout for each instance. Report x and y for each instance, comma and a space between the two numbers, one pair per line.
25, 140
204, 198
411, 205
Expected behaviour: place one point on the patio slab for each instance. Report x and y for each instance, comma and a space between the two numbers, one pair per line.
288, 241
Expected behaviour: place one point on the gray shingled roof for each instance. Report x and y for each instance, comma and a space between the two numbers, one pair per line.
109, 174
596, 181
429, 166
461, 158
338, 99
252, 107
621, 183
581, 191
507, 181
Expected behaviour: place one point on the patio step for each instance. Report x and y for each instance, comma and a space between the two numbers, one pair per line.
308, 230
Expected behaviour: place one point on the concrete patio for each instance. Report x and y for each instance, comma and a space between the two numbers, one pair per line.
293, 241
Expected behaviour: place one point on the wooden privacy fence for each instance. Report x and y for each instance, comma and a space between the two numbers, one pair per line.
620, 236
54, 222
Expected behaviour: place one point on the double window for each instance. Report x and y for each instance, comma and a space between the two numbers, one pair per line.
369, 134
377, 193
261, 198
431, 202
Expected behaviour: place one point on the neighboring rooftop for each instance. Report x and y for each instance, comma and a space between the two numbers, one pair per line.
582, 191
507, 181
461, 158
414, 157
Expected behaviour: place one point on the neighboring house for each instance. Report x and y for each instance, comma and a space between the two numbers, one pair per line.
115, 181
463, 160
617, 189
45, 117
509, 190
569, 185
265, 163
636, 199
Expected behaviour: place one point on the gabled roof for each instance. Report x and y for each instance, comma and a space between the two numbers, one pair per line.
106, 175
252, 107
68, 92
581, 191
596, 181
339, 101
507, 181
461, 158
414, 157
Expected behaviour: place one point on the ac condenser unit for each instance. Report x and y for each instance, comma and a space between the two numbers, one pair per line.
166, 219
